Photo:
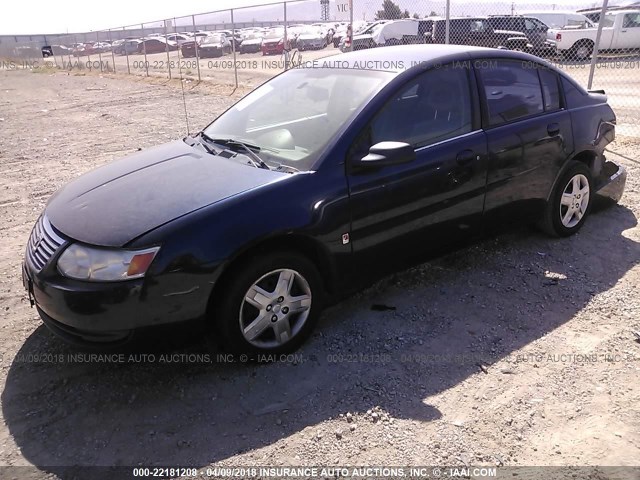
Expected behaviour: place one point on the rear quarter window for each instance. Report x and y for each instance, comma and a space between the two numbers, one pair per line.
550, 89
572, 93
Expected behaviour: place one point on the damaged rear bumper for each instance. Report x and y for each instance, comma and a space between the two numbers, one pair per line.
611, 181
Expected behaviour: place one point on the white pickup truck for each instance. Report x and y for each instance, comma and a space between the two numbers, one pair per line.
620, 31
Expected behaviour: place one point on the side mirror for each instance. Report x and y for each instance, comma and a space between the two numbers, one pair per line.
388, 153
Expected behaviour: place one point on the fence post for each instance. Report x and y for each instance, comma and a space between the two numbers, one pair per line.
447, 16
166, 47
126, 53
195, 40
144, 49
594, 54
351, 25
69, 54
175, 31
84, 39
99, 52
286, 38
113, 55
233, 46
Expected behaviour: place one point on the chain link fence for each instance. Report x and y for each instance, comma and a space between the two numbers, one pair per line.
597, 44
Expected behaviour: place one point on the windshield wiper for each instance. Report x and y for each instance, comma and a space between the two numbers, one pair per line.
249, 149
205, 144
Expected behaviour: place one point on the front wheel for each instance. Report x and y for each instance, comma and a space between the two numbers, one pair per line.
570, 202
270, 304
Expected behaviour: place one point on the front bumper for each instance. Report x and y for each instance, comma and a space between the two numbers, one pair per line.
108, 312
611, 182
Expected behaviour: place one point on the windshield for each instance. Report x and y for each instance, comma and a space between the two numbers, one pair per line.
293, 117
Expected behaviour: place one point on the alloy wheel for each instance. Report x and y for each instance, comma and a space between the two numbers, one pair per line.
574, 201
275, 308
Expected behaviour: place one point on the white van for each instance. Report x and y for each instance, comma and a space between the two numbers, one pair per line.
558, 19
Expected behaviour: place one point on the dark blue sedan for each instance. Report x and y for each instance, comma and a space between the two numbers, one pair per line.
317, 180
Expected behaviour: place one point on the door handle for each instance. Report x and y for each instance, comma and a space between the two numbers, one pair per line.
553, 129
465, 157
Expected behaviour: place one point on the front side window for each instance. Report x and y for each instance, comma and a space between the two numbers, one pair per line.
434, 107
631, 20
512, 90
478, 26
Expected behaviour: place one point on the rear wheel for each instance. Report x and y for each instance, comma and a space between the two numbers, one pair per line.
582, 50
570, 202
271, 304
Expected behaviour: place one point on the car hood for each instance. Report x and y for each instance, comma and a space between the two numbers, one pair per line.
116, 203
252, 41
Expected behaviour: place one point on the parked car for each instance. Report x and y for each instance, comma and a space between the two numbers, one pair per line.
156, 45
533, 29
57, 50
82, 49
311, 39
235, 38
620, 32
311, 184
130, 47
394, 32
273, 43
178, 39
251, 43
100, 47
215, 45
366, 31
341, 31
478, 32
117, 46
560, 19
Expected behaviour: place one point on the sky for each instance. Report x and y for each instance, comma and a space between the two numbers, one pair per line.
61, 16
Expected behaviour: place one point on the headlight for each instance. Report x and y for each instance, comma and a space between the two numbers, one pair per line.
104, 265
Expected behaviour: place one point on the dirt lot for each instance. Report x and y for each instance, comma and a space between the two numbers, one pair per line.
550, 322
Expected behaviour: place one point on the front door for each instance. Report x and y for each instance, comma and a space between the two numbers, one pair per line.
405, 210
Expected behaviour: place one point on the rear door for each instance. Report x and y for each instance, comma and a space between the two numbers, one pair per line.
528, 132
407, 209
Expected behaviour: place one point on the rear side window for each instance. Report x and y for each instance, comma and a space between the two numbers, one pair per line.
512, 90
550, 89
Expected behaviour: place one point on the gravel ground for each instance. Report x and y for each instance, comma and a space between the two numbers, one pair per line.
516, 351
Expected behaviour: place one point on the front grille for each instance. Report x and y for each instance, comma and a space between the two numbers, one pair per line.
44, 242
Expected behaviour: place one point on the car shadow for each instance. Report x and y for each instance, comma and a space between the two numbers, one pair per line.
193, 407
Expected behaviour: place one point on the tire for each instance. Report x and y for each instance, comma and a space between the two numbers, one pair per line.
582, 50
276, 279
573, 191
